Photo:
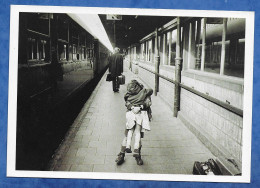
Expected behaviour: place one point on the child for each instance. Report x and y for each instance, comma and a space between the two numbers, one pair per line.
138, 102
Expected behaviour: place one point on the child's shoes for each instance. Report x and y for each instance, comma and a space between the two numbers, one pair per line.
139, 161
120, 159
128, 150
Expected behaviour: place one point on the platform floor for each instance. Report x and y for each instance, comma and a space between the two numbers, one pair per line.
93, 141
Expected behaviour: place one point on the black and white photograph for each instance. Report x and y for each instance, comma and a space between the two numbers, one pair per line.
134, 94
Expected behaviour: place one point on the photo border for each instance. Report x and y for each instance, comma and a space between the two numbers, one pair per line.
248, 88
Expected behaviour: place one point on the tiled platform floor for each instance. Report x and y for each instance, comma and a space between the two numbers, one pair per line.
94, 140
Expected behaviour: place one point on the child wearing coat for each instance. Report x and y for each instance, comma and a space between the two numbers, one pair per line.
138, 102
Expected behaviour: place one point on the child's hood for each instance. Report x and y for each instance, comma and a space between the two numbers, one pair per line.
134, 87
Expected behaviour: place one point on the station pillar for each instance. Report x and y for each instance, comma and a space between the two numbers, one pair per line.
178, 65
157, 64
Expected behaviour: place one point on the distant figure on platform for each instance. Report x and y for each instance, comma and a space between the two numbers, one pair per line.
115, 68
138, 102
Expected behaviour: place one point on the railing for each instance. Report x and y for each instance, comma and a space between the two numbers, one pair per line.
222, 104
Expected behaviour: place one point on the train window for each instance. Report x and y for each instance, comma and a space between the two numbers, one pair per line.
84, 53
63, 51
90, 53
42, 49
36, 49
32, 49
74, 52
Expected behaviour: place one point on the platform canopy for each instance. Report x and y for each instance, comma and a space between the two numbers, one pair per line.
93, 24
129, 29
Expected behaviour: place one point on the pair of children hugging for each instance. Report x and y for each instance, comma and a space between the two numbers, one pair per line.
138, 115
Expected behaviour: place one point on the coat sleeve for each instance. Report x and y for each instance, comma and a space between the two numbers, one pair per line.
147, 102
127, 103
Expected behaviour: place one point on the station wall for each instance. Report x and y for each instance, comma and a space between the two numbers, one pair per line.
218, 128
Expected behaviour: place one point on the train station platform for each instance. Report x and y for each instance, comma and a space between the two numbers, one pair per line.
94, 140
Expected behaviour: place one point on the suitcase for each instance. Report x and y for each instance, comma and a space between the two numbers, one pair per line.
108, 78
209, 167
200, 168
121, 79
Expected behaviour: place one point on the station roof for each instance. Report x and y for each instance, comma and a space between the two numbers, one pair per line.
132, 28
129, 30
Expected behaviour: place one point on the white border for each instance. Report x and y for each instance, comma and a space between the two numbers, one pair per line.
12, 96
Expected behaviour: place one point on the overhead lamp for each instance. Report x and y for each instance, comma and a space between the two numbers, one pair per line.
93, 24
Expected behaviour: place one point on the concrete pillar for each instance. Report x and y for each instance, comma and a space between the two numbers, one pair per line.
178, 64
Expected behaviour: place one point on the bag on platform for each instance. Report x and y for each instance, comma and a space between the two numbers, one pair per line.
109, 78
121, 79
206, 168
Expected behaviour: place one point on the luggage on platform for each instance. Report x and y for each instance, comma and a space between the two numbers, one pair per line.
206, 168
121, 79
109, 78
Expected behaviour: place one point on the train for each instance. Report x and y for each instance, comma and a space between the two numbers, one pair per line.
59, 64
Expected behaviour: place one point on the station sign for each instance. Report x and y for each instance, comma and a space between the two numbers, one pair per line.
114, 17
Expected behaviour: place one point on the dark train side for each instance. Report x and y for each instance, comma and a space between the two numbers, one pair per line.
57, 58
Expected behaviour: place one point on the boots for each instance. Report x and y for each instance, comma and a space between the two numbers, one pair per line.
128, 150
120, 159
139, 161
121, 156
137, 155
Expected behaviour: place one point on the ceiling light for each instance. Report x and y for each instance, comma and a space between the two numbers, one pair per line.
93, 24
